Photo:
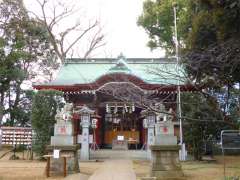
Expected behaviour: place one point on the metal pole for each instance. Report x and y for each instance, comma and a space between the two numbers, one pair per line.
182, 155
224, 164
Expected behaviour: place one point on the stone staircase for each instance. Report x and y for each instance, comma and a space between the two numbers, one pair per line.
118, 154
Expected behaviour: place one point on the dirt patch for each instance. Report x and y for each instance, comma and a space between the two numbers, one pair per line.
35, 169
195, 170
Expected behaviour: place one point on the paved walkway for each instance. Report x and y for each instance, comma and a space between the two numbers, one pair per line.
115, 170
77, 176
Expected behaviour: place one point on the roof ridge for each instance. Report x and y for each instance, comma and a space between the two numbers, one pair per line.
120, 66
115, 60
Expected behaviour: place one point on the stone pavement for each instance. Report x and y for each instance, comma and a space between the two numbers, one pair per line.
77, 176
115, 170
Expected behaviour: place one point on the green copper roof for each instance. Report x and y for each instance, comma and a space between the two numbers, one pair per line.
82, 71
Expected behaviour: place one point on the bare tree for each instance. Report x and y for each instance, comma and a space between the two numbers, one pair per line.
56, 13
124, 90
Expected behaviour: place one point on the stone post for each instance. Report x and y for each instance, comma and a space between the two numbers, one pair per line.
85, 137
150, 122
85, 114
150, 136
0, 138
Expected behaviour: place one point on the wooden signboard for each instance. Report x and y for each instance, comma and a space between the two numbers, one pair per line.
230, 139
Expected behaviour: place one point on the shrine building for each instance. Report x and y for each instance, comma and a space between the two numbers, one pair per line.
119, 90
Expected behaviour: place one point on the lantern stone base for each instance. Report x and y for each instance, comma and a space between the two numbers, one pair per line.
165, 162
56, 165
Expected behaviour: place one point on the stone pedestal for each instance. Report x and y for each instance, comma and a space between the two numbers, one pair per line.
165, 153
165, 140
56, 165
165, 162
63, 134
63, 140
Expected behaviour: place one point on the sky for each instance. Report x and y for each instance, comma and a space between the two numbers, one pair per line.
118, 20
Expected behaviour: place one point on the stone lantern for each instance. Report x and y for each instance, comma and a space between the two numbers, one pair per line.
85, 114
149, 124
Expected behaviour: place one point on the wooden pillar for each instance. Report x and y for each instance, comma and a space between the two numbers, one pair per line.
97, 130
64, 166
76, 123
48, 167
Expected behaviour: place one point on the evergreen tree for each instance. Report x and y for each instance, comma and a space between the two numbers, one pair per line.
157, 20
44, 108
209, 37
203, 119
23, 47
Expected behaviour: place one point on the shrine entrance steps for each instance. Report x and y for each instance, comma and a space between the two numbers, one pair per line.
103, 154
115, 170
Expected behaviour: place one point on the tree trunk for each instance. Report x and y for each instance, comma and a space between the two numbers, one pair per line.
1, 106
